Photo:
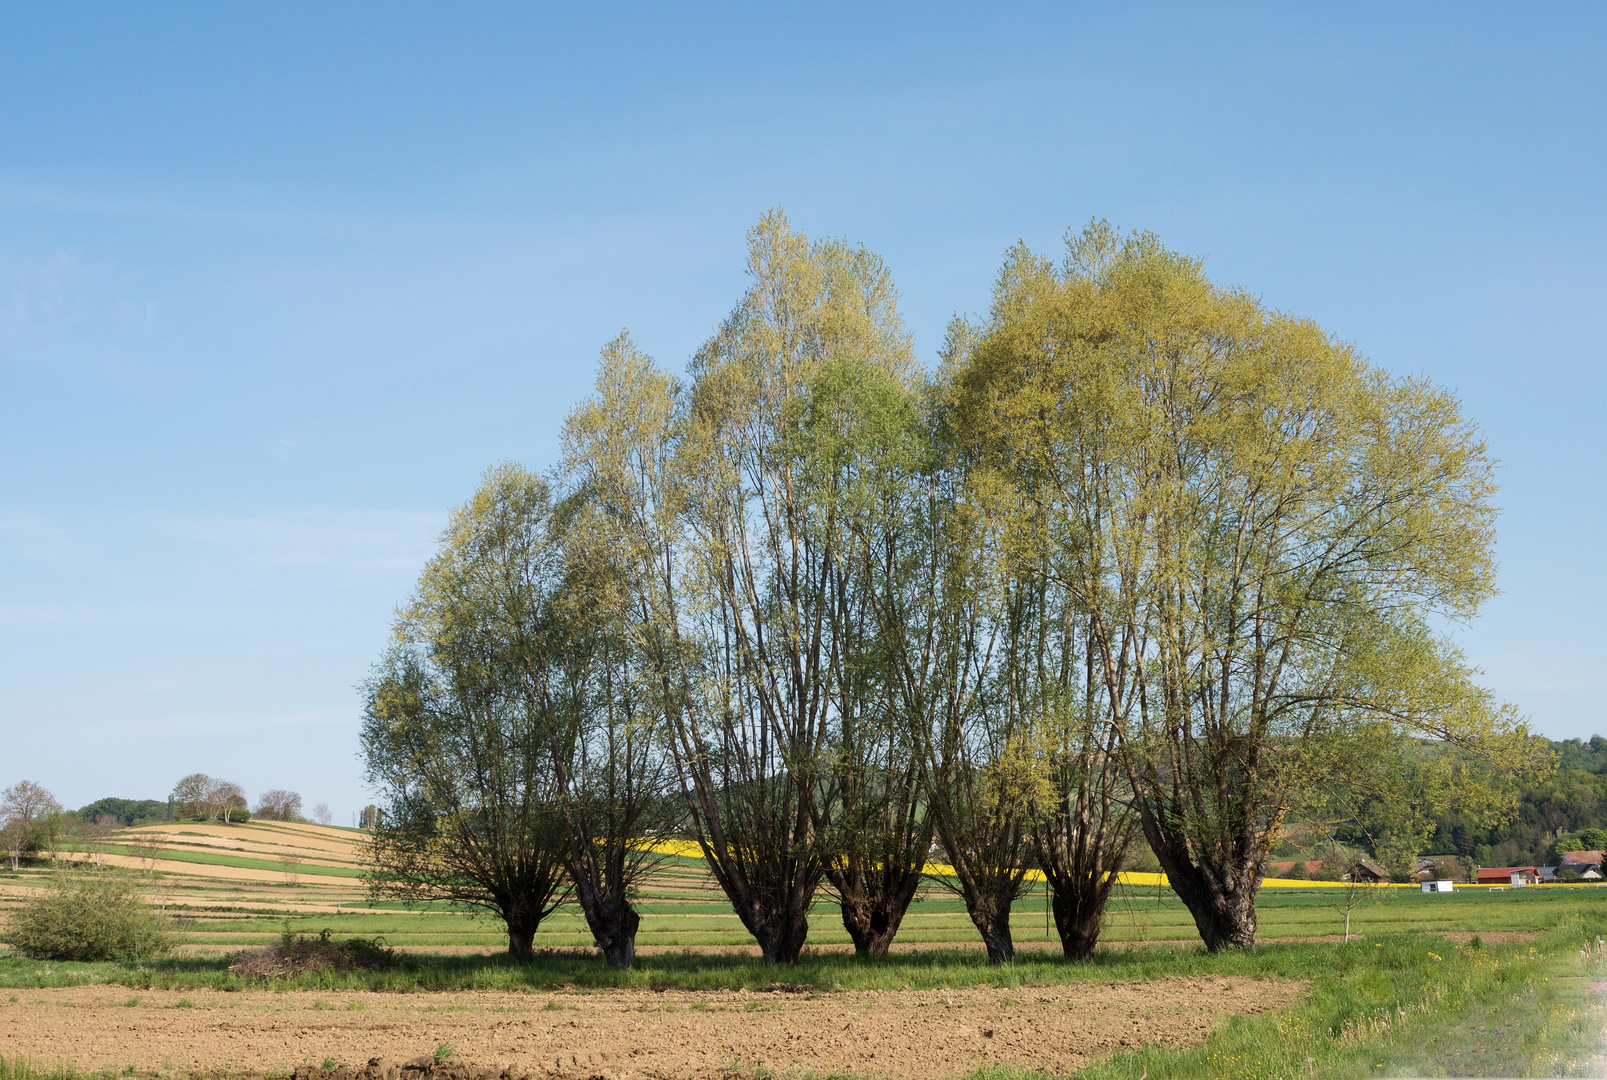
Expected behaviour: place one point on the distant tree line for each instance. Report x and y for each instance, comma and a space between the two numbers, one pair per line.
1548, 812
33, 823
1141, 561
202, 797
126, 812
1549, 815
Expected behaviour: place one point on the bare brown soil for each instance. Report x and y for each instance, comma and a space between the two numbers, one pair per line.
267, 835
1488, 937
624, 1034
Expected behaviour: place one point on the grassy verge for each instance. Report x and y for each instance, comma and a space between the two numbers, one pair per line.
22, 1069
1410, 1012
580, 969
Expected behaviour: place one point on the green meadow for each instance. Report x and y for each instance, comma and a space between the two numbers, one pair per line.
677, 916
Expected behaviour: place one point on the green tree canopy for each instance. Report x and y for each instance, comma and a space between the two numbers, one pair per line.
461, 756
1262, 529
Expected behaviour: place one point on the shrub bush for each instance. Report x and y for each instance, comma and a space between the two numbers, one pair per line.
89, 915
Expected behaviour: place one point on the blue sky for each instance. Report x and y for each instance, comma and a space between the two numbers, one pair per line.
278, 282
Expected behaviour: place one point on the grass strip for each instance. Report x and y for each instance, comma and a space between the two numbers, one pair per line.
242, 861
14, 1068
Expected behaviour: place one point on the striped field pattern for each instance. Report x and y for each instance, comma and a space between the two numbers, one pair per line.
234, 886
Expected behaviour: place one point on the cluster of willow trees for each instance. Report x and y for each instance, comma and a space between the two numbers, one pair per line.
1139, 561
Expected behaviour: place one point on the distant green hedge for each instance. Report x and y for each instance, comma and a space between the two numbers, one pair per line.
129, 812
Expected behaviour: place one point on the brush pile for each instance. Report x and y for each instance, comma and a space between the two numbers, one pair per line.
294, 955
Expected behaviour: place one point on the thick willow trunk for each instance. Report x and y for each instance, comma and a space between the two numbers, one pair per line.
1223, 904
613, 922
619, 950
1079, 848
770, 885
1079, 909
602, 897
991, 916
872, 913
989, 856
780, 932
522, 937
1218, 885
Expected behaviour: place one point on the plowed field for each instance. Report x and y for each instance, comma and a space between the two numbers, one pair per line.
627, 1033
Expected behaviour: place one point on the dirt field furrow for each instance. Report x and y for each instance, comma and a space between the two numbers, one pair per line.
625, 1034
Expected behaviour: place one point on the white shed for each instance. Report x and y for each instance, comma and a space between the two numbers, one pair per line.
1438, 886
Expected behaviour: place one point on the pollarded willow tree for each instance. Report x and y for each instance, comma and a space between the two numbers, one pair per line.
741, 506
944, 611
1025, 774
863, 445
459, 754
1257, 527
606, 730
511, 728
1079, 812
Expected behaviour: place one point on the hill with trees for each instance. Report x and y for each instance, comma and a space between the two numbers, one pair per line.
1563, 804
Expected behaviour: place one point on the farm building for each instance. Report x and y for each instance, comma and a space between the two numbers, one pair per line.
1439, 886
1365, 870
1517, 876
1579, 861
